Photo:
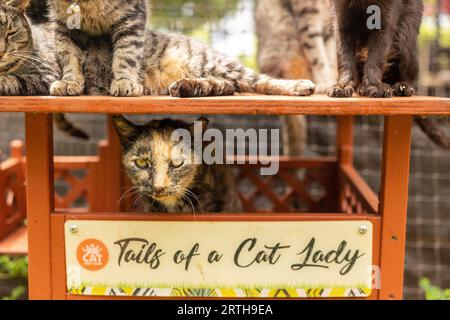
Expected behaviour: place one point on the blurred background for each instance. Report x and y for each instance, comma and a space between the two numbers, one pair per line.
228, 25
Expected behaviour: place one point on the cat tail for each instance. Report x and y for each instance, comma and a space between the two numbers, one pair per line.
251, 81
67, 127
434, 132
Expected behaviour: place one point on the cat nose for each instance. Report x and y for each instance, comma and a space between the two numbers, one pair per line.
159, 191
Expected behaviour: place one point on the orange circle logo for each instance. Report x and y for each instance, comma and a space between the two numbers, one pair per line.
92, 254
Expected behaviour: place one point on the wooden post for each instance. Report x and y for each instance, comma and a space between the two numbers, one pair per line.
394, 203
345, 139
16, 147
114, 170
39, 149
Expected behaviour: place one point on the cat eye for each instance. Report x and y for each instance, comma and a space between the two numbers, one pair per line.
141, 163
12, 33
177, 164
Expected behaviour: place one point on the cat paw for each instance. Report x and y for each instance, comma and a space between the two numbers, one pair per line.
403, 89
381, 90
185, 88
126, 88
303, 88
66, 88
323, 87
341, 91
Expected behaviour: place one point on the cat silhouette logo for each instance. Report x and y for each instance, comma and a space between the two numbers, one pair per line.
92, 254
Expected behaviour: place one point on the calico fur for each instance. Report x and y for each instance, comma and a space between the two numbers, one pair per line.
162, 177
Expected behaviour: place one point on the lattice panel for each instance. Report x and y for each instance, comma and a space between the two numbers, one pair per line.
71, 188
291, 190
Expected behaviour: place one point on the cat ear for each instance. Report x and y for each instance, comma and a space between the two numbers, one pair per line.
204, 121
22, 5
126, 130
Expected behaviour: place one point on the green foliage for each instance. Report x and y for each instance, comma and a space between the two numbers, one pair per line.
13, 269
186, 16
16, 293
433, 292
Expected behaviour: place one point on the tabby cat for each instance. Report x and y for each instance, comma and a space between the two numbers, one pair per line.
169, 63
123, 20
295, 41
183, 67
24, 67
164, 175
27, 60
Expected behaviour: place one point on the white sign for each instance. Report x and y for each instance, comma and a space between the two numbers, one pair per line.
219, 259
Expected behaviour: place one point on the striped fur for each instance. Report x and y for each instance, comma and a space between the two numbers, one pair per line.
123, 20
27, 60
24, 68
184, 67
295, 41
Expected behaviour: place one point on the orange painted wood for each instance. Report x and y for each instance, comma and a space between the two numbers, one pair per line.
345, 138
238, 104
394, 203
58, 257
364, 191
97, 180
108, 216
114, 171
16, 243
40, 191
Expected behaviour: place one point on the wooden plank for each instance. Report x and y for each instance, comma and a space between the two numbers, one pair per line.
345, 139
58, 257
238, 104
40, 192
16, 243
394, 203
364, 191
108, 216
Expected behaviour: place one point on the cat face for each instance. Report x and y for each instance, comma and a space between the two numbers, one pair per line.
15, 34
159, 168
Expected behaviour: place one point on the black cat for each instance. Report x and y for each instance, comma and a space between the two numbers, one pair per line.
380, 62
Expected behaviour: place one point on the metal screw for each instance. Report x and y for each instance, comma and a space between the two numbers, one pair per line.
363, 230
73, 228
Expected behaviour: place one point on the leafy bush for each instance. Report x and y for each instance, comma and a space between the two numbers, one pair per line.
433, 292
13, 271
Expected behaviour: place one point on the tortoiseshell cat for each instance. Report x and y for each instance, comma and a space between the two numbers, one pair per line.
382, 62
165, 176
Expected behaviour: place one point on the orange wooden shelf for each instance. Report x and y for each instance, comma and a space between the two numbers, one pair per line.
238, 105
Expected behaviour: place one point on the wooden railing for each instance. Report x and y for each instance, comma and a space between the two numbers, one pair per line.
316, 185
